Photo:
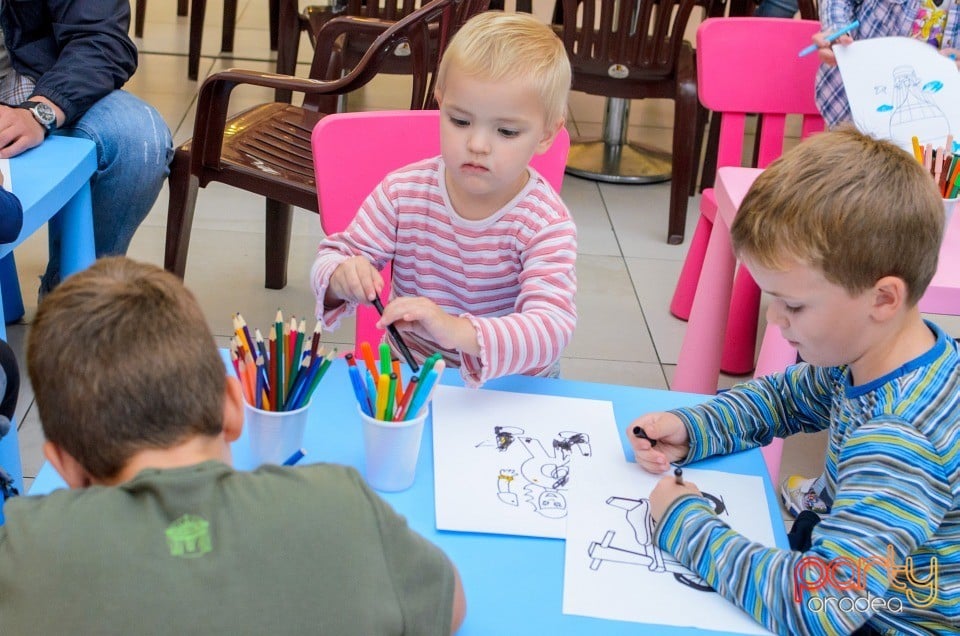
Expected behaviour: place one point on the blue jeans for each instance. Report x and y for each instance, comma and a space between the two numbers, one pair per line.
134, 149
776, 9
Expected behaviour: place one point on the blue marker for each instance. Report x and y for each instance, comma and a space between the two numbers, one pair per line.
830, 38
293, 459
358, 390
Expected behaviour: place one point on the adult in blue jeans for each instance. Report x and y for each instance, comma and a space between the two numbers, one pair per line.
776, 9
62, 64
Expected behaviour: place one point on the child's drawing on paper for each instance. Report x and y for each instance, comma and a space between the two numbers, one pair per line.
640, 549
900, 88
614, 567
541, 476
507, 462
914, 113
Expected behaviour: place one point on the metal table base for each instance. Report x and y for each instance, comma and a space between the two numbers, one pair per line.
613, 158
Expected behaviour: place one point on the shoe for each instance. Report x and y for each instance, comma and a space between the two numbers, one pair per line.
799, 493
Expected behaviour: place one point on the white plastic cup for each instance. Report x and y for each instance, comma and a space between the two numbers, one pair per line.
391, 450
274, 435
949, 205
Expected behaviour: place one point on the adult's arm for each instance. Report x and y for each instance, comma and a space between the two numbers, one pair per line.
77, 51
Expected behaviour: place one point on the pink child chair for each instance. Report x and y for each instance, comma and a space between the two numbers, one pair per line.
353, 152
747, 65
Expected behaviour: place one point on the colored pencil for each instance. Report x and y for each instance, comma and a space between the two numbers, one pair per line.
315, 344
279, 362
293, 459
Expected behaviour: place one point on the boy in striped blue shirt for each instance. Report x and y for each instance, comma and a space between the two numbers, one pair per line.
843, 233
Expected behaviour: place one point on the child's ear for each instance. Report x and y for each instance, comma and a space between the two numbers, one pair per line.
549, 134
232, 409
69, 468
889, 297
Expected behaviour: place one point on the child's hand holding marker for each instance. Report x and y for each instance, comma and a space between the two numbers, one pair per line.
822, 43
423, 317
658, 439
668, 490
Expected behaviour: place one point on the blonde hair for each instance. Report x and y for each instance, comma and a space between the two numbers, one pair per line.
494, 46
852, 206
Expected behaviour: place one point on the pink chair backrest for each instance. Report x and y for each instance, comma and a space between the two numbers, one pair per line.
353, 152
750, 65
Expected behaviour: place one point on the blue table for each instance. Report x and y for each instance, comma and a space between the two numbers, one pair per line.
52, 181
509, 581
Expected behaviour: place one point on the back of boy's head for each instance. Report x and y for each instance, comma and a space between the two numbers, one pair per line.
121, 360
505, 46
852, 206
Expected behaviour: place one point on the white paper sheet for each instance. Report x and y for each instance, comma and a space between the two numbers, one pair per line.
505, 462
899, 88
5, 171
613, 569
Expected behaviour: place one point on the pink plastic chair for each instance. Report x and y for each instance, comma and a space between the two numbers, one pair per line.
747, 65
353, 152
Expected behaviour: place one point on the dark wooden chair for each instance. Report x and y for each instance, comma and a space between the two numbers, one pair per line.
198, 12
311, 20
266, 149
635, 49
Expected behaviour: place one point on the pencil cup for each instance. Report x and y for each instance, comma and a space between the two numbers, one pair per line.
949, 205
274, 435
392, 450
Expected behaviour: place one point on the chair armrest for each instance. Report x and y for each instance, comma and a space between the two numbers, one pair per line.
326, 60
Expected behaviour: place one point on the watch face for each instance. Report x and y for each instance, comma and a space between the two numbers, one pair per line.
45, 114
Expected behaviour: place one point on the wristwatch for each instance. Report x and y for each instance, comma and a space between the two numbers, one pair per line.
43, 113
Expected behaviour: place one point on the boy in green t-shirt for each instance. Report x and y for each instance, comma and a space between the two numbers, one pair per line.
157, 531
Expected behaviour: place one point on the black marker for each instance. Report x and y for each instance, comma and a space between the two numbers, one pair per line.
678, 474
642, 434
401, 345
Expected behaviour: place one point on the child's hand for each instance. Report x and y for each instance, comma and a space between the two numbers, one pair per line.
670, 435
824, 50
424, 318
354, 280
665, 492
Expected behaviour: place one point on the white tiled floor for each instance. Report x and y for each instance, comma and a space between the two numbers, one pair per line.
626, 270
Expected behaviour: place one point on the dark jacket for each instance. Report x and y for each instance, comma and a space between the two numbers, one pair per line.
11, 222
76, 50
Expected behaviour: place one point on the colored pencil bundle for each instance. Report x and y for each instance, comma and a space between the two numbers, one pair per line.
281, 375
379, 385
943, 165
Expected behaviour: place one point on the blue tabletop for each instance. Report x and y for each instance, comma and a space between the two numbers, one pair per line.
44, 178
493, 565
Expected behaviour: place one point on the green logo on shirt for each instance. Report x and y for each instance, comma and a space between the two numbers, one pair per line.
189, 537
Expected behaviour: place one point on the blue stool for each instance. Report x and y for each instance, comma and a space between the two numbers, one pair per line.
10, 461
53, 184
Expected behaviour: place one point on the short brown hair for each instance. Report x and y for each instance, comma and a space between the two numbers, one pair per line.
854, 207
121, 359
494, 45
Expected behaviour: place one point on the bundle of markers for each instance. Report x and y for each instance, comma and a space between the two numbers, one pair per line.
281, 372
379, 386
942, 164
